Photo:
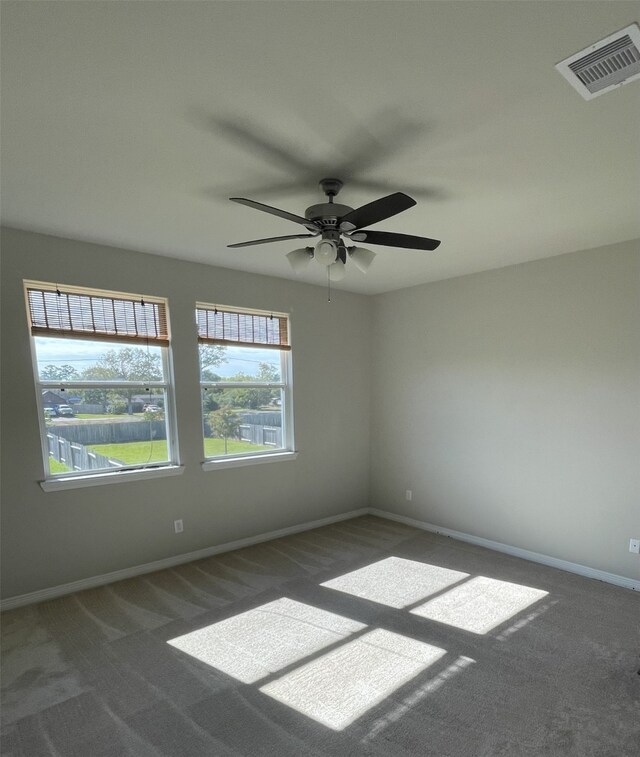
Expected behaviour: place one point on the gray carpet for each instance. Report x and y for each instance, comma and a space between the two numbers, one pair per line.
363, 638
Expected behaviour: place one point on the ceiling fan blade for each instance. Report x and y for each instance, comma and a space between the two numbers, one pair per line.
274, 211
271, 239
397, 240
376, 211
388, 134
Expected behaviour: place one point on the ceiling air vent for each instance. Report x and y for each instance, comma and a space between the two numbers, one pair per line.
609, 63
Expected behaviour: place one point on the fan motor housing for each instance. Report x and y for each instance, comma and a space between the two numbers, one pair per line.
327, 212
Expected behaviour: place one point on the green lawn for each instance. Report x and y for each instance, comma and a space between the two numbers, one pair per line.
213, 447
56, 467
133, 453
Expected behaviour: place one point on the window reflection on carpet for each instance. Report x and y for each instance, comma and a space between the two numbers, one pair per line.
341, 685
365, 665
480, 604
413, 698
256, 643
395, 581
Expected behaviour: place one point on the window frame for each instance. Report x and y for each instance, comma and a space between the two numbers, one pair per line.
285, 452
135, 471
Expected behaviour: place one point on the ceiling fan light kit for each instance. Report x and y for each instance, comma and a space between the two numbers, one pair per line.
337, 271
361, 258
326, 252
299, 259
331, 221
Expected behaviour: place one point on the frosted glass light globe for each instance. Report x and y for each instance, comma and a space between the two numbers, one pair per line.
326, 252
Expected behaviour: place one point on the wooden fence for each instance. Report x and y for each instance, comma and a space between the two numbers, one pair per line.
262, 417
76, 456
260, 427
254, 433
112, 432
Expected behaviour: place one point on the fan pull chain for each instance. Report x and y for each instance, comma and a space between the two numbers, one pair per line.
328, 285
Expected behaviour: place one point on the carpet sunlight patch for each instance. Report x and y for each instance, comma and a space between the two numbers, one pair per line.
396, 582
479, 605
341, 685
256, 643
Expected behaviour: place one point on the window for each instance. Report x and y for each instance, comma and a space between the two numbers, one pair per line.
102, 370
245, 379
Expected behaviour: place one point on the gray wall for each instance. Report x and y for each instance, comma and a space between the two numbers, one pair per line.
58, 537
509, 403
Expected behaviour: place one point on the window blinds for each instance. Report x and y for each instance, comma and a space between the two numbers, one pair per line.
83, 315
225, 326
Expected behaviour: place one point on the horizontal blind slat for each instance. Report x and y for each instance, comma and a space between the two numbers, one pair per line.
91, 316
232, 343
231, 327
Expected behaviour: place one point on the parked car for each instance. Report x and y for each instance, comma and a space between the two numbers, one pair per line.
64, 410
152, 409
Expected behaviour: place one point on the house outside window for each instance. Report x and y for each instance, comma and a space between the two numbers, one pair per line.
245, 382
102, 369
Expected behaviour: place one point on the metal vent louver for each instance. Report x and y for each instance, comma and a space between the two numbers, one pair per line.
604, 65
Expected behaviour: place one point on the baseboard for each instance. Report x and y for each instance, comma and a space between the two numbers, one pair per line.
169, 562
525, 554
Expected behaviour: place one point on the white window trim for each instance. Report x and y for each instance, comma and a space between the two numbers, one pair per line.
252, 458
53, 482
122, 476
287, 451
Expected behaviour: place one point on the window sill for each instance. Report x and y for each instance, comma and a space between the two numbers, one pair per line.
239, 462
117, 477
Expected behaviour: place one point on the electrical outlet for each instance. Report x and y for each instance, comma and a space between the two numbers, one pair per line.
177, 524
409, 495
634, 546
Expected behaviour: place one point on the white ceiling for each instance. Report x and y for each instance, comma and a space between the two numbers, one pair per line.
130, 124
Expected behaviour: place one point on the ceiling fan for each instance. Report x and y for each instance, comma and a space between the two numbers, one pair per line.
337, 225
